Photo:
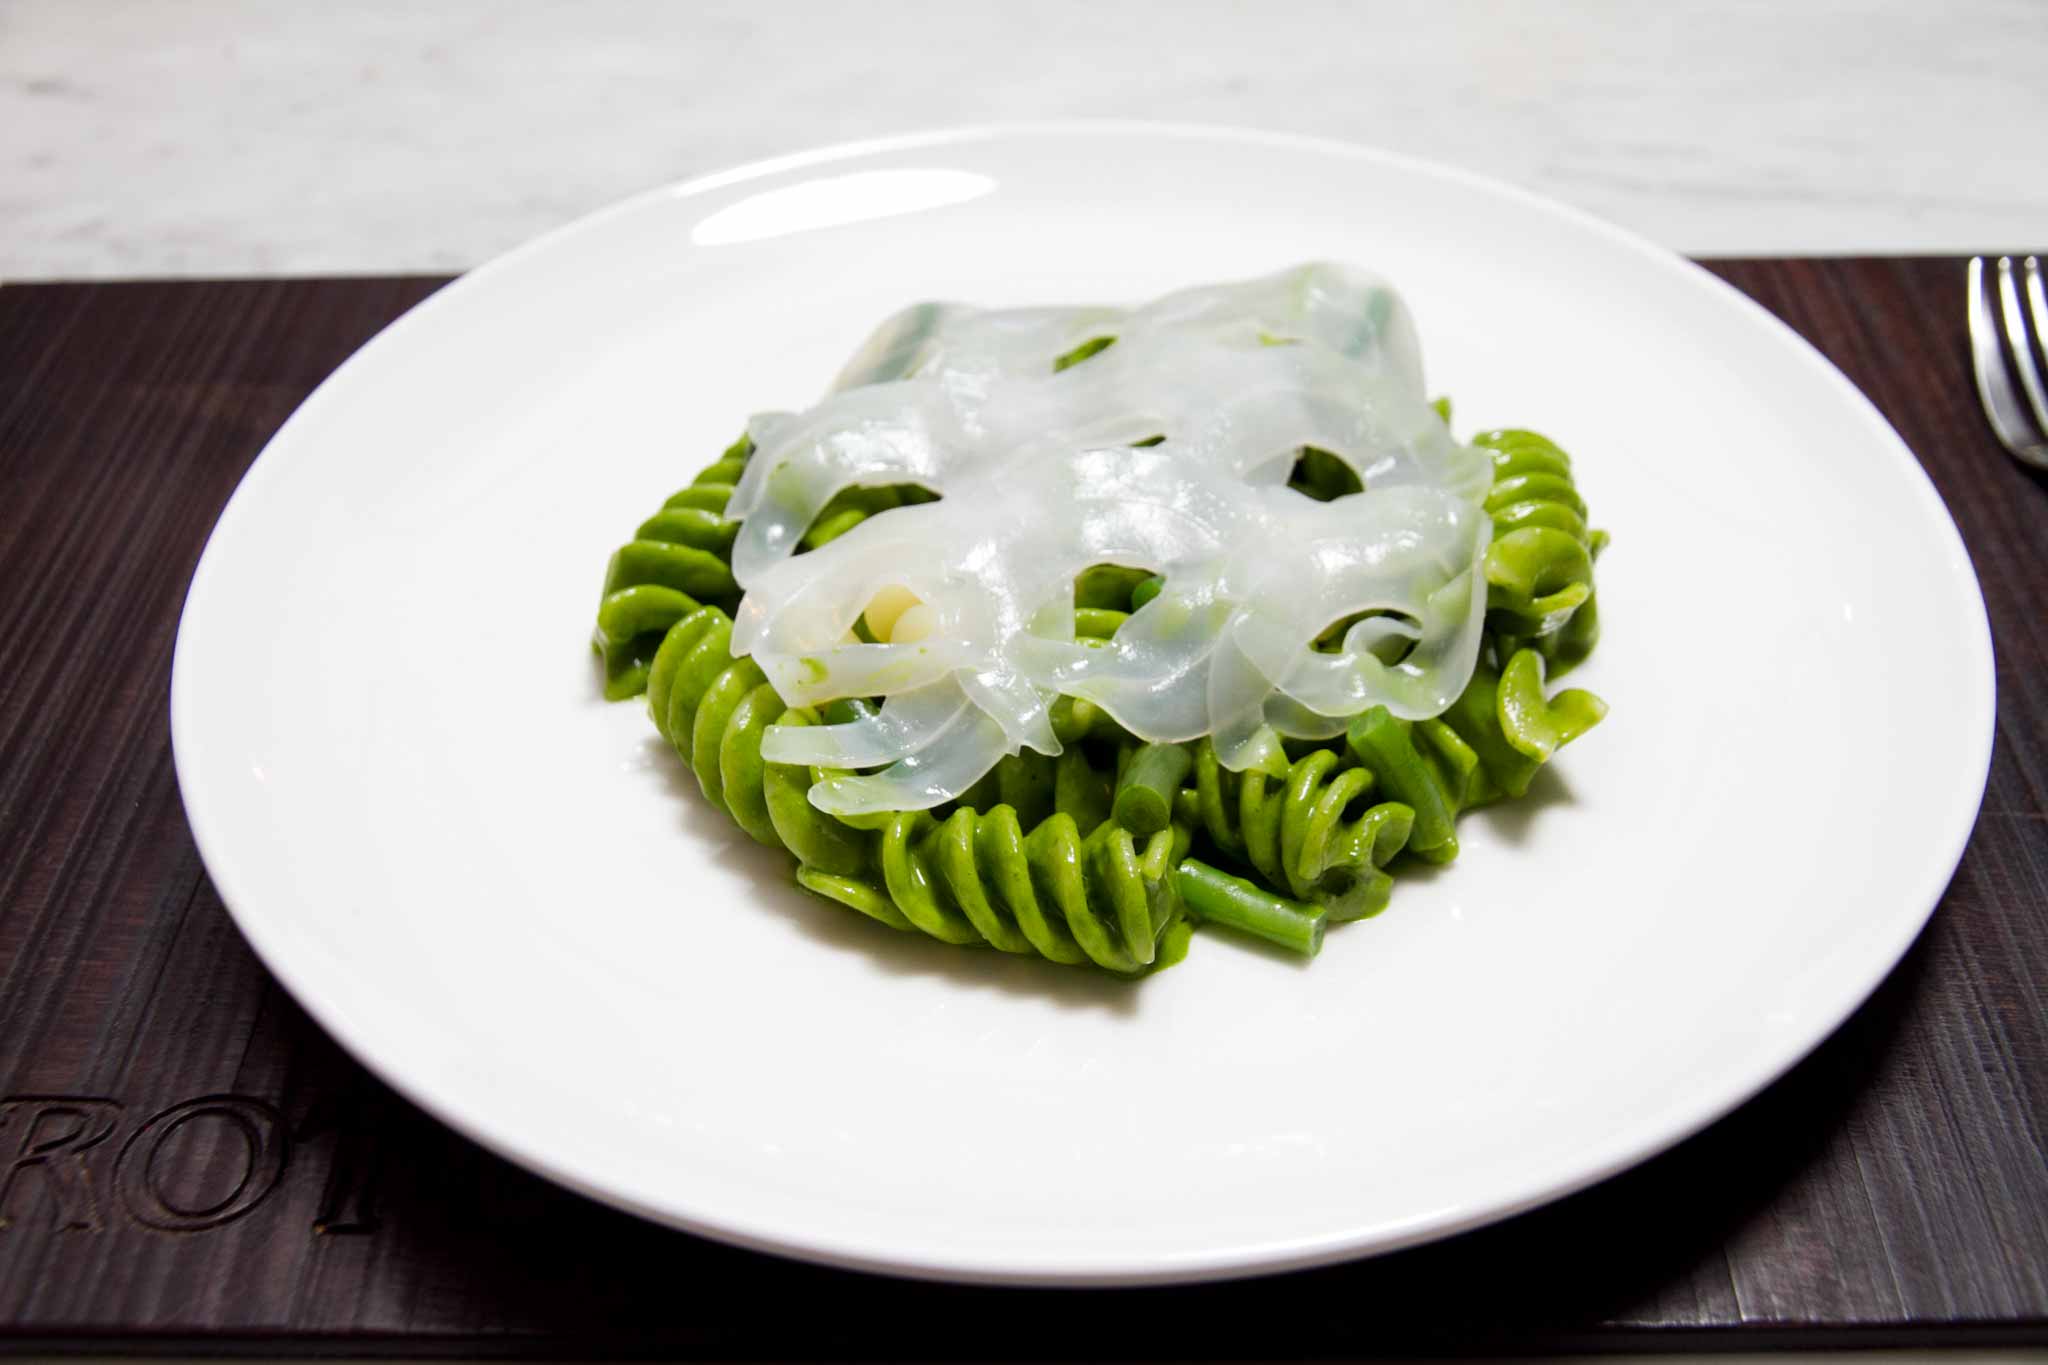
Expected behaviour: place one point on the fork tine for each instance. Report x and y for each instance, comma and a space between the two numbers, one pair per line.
2037, 307
2016, 337
1994, 385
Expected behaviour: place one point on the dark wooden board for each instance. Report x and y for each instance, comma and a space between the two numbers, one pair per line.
185, 1161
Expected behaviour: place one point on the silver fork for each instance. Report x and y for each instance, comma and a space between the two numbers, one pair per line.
2028, 442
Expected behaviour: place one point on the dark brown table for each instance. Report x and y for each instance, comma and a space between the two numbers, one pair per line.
187, 1162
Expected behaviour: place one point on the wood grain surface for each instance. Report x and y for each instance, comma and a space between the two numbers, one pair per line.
187, 1162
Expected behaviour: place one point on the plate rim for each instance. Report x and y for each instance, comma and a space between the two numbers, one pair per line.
1626, 1151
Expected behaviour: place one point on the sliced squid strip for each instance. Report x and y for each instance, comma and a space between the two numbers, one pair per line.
938, 773
906, 723
1168, 450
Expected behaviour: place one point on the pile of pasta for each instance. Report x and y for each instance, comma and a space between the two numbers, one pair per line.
1065, 630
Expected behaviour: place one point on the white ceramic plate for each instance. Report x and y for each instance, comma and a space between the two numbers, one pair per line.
504, 896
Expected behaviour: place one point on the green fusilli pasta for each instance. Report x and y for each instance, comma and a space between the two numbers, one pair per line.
978, 877
1539, 569
1086, 858
1295, 831
1027, 861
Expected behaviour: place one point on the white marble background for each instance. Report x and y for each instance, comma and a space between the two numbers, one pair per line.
234, 137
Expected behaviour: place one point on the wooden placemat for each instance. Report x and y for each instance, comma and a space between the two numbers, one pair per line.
187, 1162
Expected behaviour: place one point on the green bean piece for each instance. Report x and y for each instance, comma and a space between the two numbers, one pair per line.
1144, 794
1218, 897
1147, 590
